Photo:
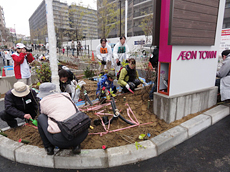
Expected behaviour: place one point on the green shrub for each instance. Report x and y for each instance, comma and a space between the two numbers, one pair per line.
88, 73
43, 72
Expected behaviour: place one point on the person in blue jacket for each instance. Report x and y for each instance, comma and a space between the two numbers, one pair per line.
106, 83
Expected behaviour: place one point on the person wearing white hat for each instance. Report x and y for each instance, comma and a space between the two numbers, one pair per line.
21, 67
20, 102
59, 107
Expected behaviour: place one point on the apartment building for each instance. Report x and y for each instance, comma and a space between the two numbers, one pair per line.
4, 32
65, 24
137, 11
38, 22
85, 20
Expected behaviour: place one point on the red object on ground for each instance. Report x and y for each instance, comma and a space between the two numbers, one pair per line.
93, 56
131, 91
20, 140
3, 72
103, 147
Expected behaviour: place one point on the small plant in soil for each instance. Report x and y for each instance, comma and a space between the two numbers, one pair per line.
88, 73
43, 72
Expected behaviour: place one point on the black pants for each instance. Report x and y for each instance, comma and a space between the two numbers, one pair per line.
51, 140
218, 84
9, 119
132, 85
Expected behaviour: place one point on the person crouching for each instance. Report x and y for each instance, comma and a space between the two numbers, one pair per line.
59, 107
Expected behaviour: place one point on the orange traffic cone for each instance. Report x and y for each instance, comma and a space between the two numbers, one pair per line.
150, 66
93, 56
3, 72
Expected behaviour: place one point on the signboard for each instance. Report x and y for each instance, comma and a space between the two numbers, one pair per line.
225, 40
142, 42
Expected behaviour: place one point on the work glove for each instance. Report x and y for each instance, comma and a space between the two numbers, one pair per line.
103, 62
127, 86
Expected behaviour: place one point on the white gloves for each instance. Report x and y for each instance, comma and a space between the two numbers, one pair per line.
127, 86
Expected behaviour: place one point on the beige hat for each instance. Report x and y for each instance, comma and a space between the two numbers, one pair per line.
20, 89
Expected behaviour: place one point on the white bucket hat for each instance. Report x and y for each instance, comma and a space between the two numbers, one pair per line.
20, 89
46, 89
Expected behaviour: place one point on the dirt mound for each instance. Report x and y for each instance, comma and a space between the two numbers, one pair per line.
138, 102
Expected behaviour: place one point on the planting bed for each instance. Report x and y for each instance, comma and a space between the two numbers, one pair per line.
138, 103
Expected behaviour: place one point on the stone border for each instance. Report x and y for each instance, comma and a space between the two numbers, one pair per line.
116, 156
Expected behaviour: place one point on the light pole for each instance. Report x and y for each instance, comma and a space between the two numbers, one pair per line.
120, 17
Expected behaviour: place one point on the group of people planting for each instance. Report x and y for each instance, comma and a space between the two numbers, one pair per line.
49, 106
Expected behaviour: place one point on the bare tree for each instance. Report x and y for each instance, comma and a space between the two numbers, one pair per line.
107, 16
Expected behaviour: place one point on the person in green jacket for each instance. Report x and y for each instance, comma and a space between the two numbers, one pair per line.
129, 78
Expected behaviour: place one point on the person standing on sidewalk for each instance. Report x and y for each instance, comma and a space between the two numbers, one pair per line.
20, 102
104, 54
21, 64
8, 58
73, 47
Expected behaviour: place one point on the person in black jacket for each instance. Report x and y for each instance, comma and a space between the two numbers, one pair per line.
20, 102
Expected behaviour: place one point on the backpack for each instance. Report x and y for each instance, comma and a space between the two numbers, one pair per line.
118, 73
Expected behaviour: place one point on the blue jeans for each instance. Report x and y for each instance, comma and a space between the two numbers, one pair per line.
154, 89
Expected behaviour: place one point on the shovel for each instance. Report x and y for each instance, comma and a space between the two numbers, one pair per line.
35, 122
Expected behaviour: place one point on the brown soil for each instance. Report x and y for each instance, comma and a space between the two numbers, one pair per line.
139, 105
2, 96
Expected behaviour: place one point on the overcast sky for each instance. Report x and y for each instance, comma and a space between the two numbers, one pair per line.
18, 12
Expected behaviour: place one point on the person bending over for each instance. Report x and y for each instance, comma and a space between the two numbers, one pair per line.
129, 78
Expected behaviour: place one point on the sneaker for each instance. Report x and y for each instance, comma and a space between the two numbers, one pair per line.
77, 149
50, 150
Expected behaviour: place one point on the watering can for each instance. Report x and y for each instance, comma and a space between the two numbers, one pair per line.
35, 122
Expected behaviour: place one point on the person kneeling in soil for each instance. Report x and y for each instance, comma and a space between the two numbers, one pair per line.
128, 77
59, 107
66, 78
106, 84
20, 102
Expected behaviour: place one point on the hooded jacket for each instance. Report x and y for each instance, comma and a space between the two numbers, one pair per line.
21, 66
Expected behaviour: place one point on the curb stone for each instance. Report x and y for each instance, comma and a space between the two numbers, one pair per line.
129, 154
218, 112
7, 147
170, 138
197, 124
89, 158
33, 155
98, 158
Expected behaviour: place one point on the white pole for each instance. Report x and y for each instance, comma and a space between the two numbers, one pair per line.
126, 15
52, 43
